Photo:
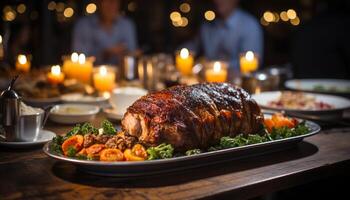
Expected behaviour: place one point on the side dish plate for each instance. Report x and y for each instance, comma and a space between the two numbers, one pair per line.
142, 168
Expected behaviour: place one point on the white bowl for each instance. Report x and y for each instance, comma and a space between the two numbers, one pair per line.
83, 99
122, 98
73, 113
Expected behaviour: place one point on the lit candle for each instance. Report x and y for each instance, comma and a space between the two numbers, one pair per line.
104, 79
55, 76
216, 73
22, 63
78, 67
184, 62
248, 62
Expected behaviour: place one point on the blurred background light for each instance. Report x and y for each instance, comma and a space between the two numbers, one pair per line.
209, 15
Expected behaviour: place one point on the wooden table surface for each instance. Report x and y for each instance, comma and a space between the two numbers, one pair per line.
30, 174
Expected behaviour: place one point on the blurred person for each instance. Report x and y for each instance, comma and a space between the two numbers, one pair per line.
107, 35
234, 31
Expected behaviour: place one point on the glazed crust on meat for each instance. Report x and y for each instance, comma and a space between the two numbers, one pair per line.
194, 116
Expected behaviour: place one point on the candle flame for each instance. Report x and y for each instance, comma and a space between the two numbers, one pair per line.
74, 57
217, 66
22, 59
56, 70
103, 71
184, 53
0, 39
249, 56
81, 58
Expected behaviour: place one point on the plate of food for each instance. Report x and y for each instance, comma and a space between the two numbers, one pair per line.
178, 128
83, 98
39, 93
301, 102
73, 113
331, 86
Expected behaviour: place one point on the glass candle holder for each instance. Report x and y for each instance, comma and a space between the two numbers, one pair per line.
216, 71
248, 62
184, 60
78, 67
23, 63
104, 78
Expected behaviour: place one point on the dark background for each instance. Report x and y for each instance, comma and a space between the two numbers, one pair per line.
317, 47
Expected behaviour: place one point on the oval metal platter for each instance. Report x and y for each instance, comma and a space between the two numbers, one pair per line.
150, 167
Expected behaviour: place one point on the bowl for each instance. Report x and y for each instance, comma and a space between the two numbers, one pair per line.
73, 113
122, 98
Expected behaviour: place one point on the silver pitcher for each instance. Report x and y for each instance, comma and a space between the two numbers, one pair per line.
10, 111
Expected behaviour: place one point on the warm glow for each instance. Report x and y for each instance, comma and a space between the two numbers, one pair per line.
276, 17
21, 8
217, 66
60, 7
175, 16
249, 56
291, 14
10, 15
209, 15
81, 58
103, 71
184, 21
284, 16
295, 21
51, 5
268, 16
68, 12
263, 22
132, 6
185, 7
91, 8
0, 39
56, 70
184, 53
22, 59
74, 57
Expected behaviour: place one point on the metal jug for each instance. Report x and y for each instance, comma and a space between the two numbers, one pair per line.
10, 111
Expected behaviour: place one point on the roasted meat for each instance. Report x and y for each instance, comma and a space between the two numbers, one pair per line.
189, 117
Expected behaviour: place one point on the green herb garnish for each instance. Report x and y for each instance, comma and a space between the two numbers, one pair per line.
71, 152
193, 152
108, 128
160, 152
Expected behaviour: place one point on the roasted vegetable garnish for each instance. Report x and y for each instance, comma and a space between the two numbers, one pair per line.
94, 150
108, 128
75, 141
160, 152
111, 155
193, 152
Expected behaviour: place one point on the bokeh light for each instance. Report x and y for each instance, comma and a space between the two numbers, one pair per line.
295, 21
209, 15
268, 16
291, 14
185, 7
51, 6
132, 6
91, 8
175, 16
68, 12
284, 16
21, 8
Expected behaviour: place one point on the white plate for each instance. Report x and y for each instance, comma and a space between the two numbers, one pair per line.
339, 103
42, 102
73, 113
44, 136
113, 114
81, 98
341, 86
